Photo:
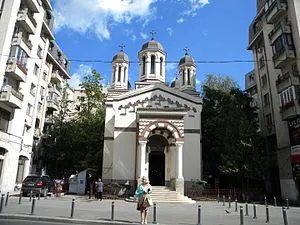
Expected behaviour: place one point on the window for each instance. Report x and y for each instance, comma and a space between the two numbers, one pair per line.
18, 53
152, 64
280, 42
269, 120
124, 78
45, 76
267, 99
32, 89
287, 96
29, 110
264, 80
189, 77
183, 77
268, 4
36, 69
4, 120
20, 171
161, 66
119, 73
40, 52
144, 65
42, 92
114, 75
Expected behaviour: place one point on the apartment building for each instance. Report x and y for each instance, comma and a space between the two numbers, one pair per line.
33, 71
274, 38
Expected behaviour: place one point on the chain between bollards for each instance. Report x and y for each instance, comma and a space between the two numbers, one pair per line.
247, 211
267, 214
6, 200
20, 197
32, 205
72, 208
236, 206
284, 216
241, 216
223, 200
199, 215
229, 202
154, 214
112, 211
2, 203
254, 211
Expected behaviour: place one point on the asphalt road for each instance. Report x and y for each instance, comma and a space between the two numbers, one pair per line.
28, 222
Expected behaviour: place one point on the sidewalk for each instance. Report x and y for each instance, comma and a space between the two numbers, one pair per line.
99, 212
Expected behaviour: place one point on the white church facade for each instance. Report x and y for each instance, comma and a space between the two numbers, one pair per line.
153, 130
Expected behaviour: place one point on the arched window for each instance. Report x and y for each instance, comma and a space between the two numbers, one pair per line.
125, 70
144, 65
114, 75
183, 77
152, 64
119, 74
189, 77
161, 66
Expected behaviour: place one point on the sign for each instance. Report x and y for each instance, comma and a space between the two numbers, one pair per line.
294, 131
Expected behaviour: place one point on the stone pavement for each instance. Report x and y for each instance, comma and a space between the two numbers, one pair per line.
96, 212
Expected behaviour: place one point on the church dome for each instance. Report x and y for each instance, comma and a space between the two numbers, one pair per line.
121, 57
186, 59
152, 45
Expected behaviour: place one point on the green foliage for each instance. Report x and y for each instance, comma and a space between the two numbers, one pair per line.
76, 140
231, 143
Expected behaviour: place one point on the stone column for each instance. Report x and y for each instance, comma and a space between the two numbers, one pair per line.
179, 183
142, 159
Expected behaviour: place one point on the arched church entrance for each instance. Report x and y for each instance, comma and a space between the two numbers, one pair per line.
156, 145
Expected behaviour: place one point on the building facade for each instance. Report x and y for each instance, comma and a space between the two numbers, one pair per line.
153, 130
27, 66
274, 39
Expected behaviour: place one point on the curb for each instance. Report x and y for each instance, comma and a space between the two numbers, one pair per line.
62, 220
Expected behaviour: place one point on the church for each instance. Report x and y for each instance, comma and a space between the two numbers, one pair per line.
154, 129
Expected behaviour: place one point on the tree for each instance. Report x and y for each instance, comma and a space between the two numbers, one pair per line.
232, 148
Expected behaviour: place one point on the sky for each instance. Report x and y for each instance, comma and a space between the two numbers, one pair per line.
213, 30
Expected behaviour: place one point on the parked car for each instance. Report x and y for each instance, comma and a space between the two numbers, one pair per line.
37, 184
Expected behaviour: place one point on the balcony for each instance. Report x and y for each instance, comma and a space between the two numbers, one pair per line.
19, 40
283, 82
280, 29
56, 78
16, 69
28, 121
33, 5
255, 31
52, 102
282, 57
290, 110
37, 133
49, 119
275, 11
11, 97
47, 4
26, 20
48, 23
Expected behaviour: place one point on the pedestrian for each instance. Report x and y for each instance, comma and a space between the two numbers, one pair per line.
144, 199
99, 189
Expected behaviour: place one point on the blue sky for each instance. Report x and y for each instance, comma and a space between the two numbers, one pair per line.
212, 29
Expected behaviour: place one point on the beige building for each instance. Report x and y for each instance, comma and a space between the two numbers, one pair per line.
29, 61
274, 38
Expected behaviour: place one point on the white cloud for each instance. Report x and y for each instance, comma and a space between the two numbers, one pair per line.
180, 20
194, 5
171, 66
133, 37
77, 77
198, 84
98, 15
144, 36
170, 31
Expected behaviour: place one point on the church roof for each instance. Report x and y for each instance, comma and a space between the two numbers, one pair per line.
152, 45
121, 56
186, 59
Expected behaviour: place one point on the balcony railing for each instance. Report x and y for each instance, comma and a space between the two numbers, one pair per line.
20, 40
27, 20
11, 96
284, 55
17, 69
275, 10
281, 28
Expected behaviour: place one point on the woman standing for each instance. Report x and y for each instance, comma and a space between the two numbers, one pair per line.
144, 201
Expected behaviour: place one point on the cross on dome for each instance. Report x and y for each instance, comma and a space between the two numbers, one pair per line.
122, 46
186, 49
152, 33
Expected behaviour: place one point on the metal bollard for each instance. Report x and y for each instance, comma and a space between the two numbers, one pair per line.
229, 202
275, 201
287, 204
284, 216
2, 203
236, 206
6, 200
112, 211
266, 202
267, 214
241, 216
218, 198
154, 214
33, 205
20, 197
199, 215
223, 200
247, 212
254, 211
72, 208
30, 196
39, 195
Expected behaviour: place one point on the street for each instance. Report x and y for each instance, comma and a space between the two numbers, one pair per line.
28, 222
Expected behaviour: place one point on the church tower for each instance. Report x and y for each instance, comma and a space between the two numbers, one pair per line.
187, 73
152, 59
120, 65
